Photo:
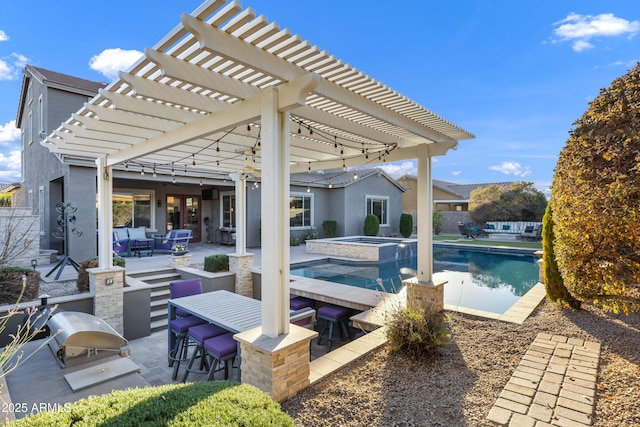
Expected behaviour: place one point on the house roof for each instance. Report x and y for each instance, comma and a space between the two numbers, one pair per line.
339, 179
460, 191
195, 97
55, 80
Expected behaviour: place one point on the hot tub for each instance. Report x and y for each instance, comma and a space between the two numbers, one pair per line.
378, 249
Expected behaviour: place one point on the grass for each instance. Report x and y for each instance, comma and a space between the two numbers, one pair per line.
488, 242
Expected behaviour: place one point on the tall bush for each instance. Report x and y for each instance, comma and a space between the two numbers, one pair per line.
330, 228
553, 284
519, 201
406, 225
371, 225
596, 200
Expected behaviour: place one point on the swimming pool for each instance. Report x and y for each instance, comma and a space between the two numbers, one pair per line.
475, 279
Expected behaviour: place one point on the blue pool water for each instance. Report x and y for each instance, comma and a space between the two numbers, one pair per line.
478, 280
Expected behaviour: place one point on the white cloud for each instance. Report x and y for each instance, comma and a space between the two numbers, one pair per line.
10, 167
396, 170
511, 168
456, 173
582, 28
10, 67
3, 36
581, 45
110, 61
9, 132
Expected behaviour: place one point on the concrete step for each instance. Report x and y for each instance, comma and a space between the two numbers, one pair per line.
159, 315
153, 279
160, 293
158, 325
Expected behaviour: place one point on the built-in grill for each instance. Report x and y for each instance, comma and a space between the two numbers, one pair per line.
83, 337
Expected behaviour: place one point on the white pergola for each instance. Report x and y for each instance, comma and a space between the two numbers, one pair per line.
227, 92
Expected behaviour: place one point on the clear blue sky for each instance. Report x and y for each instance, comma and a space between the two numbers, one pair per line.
517, 74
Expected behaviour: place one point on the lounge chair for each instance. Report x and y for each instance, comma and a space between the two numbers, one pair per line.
533, 232
471, 230
166, 243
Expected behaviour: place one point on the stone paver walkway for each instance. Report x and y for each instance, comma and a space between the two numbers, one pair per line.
554, 385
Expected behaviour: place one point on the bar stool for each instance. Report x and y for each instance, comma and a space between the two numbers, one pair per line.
333, 316
199, 334
180, 328
297, 303
222, 348
184, 288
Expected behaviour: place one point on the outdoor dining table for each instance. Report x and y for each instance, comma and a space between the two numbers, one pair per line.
233, 312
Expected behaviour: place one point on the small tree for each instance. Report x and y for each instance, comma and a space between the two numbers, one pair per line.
596, 200
438, 218
371, 225
553, 283
406, 225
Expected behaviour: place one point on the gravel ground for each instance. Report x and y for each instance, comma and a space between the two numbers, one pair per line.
59, 289
459, 386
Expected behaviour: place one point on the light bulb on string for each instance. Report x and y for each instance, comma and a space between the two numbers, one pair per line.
173, 180
201, 183
154, 171
344, 167
173, 171
355, 176
330, 185
308, 189
142, 170
193, 163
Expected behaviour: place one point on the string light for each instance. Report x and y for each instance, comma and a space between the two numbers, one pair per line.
194, 161
154, 171
309, 168
344, 167
201, 183
173, 180
299, 126
126, 166
173, 171
335, 142
142, 171
355, 176
308, 189
248, 127
330, 185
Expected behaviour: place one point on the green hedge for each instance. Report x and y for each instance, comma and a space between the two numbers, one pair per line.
371, 225
216, 263
216, 403
330, 228
406, 225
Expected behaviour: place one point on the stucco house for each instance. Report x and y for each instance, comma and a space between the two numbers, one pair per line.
161, 200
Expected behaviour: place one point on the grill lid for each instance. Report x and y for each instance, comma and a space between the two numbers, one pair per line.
83, 330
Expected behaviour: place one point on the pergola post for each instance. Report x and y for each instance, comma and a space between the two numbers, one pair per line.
422, 292
241, 263
105, 215
274, 207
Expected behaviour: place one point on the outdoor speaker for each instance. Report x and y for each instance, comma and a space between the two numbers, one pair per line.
210, 194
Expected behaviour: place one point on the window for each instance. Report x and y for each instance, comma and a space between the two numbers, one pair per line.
30, 128
378, 206
132, 209
228, 209
300, 210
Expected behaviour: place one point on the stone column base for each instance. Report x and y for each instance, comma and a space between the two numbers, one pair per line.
278, 366
242, 266
425, 295
179, 261
107, 287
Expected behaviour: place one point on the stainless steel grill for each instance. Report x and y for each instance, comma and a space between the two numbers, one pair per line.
83, 337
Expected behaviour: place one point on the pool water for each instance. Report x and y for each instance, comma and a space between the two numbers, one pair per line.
477, 280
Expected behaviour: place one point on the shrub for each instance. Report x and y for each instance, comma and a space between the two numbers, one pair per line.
417, 333
11, 287
371, 225
595, 200
312, 234
216, 263
406, 225
294, 241
553, 283
83, 276
438, 218
520, 201
215, 403
330, 228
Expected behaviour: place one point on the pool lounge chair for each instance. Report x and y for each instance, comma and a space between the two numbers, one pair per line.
471, 230
532, 232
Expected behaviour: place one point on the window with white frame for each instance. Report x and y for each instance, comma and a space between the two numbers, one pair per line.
300, 210
379, 206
